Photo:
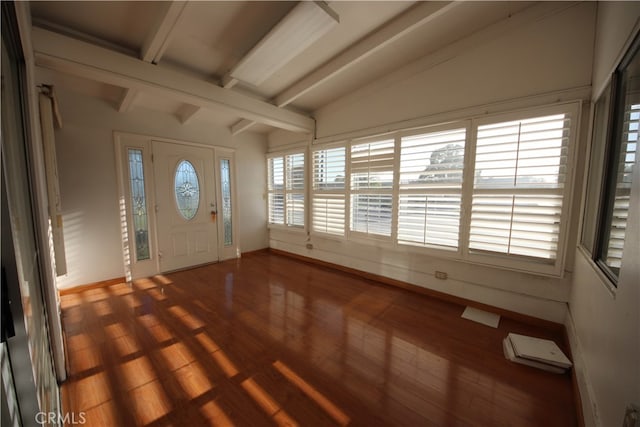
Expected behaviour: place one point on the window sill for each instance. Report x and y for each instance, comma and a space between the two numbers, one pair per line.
287, 228
604, 279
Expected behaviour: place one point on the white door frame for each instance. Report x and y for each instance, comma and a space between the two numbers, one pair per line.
123, 142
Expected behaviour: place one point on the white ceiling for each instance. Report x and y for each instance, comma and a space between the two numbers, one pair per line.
204, 40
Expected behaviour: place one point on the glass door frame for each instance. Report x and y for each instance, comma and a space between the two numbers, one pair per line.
227, 250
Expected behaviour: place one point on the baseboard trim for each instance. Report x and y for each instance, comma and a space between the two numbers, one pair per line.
94, 285
424, 291
574, 379
588, 415
256, 252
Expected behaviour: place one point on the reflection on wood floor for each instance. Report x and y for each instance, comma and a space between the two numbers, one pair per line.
270, 340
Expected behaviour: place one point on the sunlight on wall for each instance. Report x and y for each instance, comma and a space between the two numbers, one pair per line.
74, 229
125, 239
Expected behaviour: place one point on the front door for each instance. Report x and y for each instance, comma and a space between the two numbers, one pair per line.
185, 205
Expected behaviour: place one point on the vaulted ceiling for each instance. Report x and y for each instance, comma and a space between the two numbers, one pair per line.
176, 57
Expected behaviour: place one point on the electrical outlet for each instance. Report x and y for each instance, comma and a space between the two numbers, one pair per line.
441, 275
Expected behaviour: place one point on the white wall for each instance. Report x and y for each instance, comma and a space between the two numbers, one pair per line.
604, 323
88, 184
251, 175
543, 55
546, 57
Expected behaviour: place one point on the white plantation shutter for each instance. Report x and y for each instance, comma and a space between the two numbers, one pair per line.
295, 190
429, 220
372, 165
286, 190
295, 172
328, 203
523, 154
525, 225
328, 214
518, 188
371, 183
371, 213
295, 210
489, 190
431, 167
276, 190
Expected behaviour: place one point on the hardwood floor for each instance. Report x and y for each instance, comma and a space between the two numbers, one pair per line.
270, 340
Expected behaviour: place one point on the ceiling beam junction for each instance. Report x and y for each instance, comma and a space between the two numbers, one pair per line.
67, 55
410, 20
155, 45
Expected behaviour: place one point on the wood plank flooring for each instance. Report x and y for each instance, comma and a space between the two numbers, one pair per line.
268, 340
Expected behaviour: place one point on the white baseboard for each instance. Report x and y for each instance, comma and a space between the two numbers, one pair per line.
589, 407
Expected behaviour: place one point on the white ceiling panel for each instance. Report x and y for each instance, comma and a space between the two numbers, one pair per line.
211, 37
124, 23
206, 39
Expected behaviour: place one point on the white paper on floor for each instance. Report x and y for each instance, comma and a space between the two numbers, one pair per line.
481, 316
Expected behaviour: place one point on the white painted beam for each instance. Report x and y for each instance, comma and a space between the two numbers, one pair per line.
154, 46
410, 20
127, 101
228, 82
67, 55
187, 112
241, 126
158, 39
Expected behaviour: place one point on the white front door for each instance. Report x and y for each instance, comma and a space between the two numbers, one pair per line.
185, 205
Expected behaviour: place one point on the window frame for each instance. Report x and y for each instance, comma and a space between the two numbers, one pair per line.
338, 193
497, 260
596, 230
286, 191
513, 261
451, 126
389, 191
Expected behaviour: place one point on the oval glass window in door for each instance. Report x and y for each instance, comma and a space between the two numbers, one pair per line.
187, 190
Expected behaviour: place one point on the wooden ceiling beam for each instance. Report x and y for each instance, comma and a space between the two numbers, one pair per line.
410, 20
158, 39
71, 56
241, 126
154, 45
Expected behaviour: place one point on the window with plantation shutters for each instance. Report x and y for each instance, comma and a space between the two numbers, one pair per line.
371, 187
613, 157
286, 190
618, 211
429, 201
518, 186
276, 190
328, 200
491, 190
295, 190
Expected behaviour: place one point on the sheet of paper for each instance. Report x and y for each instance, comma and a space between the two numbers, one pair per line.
481, 316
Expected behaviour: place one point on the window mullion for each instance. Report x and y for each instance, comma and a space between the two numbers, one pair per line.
395, 197
467, 188
347, 190
285, 189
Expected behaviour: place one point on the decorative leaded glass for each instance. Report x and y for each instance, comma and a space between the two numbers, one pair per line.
138, 204
225, 177
187, 190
